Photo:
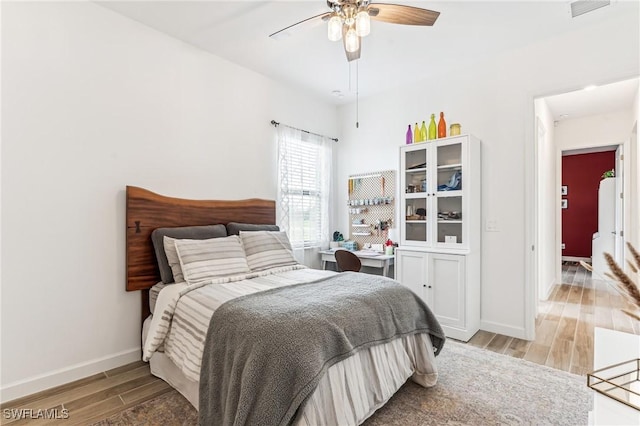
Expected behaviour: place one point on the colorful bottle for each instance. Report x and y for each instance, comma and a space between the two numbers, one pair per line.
423, 132
442, 127
416, 134
432, 127
409, 135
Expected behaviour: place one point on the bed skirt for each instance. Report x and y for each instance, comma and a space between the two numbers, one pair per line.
351, 390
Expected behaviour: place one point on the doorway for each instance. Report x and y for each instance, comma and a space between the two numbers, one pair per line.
574, 125
590, 212
565, 300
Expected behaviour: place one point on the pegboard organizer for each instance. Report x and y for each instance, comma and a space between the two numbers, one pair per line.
371, 204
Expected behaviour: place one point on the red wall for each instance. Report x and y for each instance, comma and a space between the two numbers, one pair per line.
581, 173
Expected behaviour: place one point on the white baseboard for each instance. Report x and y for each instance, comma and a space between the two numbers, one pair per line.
549, 289
65, 375
507, 330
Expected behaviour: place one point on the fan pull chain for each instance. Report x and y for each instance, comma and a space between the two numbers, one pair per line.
357, 93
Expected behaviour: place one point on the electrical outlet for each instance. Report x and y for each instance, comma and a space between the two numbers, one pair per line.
562, 246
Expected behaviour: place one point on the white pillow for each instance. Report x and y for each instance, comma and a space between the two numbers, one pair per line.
203, 260
267, 249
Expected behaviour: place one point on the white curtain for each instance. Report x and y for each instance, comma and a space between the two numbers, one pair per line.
304, 191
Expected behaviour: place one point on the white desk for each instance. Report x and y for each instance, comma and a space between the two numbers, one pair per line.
375, 261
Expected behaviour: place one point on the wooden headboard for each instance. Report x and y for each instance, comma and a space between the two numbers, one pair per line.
147, 211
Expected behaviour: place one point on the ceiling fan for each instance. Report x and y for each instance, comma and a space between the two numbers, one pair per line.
349, 20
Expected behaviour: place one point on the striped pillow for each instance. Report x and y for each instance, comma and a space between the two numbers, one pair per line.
203, 260
172, 258
267, 249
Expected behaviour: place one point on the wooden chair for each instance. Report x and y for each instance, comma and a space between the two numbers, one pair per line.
347, 261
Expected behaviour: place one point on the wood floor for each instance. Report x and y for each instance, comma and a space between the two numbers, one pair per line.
565, 324
87, 400
564, 340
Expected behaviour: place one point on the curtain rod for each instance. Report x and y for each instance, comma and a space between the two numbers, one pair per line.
276, 124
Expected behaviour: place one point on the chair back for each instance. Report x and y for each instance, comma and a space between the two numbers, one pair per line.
347, 261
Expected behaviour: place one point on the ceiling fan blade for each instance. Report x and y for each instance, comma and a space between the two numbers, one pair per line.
305, 24
400, 14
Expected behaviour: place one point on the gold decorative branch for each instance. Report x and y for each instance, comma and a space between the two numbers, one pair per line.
623, 282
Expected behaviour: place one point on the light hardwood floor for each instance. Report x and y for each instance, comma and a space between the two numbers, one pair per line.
87, 400
565, 324
564, 340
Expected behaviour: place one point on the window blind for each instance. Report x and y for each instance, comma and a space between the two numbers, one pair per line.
302, 191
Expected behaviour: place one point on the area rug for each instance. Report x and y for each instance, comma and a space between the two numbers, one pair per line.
475, 387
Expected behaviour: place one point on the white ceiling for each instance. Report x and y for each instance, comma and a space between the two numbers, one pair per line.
392, 55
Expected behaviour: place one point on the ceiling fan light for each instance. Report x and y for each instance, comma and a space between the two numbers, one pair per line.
363, 23
334, 29
351, 41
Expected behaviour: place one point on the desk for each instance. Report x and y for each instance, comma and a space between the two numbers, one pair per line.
376, 261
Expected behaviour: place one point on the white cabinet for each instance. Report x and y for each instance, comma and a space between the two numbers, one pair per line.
446, 289
443, 281
440, 228
412, 271
604, 241
440, 192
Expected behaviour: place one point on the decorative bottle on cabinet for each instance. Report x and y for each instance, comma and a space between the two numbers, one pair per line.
416, 133
409, 135
432, 127
442, 127
423, 132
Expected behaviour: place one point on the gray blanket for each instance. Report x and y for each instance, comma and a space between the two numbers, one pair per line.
265, 352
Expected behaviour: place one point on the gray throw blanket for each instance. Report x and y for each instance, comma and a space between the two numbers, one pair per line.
266, 352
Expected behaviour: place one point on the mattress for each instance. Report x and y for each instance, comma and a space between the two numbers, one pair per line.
350, 391
183, 312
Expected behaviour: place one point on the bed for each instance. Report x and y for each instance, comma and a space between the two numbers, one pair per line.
347, 390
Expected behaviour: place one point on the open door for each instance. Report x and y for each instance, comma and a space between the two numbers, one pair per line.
619, 225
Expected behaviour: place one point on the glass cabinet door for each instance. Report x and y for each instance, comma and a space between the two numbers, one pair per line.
449, 194
416, 187
435, 198
449, 222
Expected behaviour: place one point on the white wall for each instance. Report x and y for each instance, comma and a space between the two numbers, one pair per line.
548, 196
494, 101
91, 102
597, 130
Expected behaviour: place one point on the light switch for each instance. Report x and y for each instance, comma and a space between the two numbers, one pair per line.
491, 225
563, 246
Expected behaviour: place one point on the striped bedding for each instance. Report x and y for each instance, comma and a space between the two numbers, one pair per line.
153, 294
267, 249
182, 313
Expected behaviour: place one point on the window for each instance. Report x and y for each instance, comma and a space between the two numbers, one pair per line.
304, 182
